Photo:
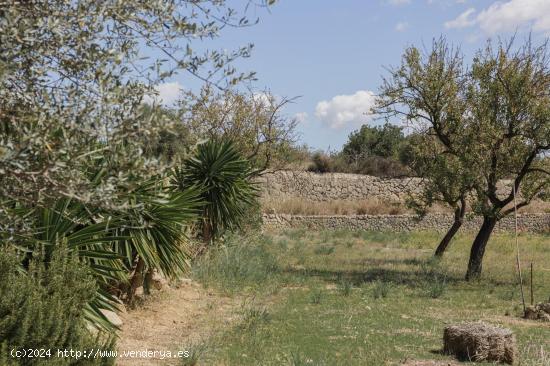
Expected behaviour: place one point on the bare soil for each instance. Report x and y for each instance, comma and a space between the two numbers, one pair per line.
174, 319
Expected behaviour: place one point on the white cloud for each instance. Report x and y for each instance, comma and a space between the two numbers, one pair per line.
399, 2
401, 26
507, 16
167, 93
301, 117
345, 109
266, 98
463, 20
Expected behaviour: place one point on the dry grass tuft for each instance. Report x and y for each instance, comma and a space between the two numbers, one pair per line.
300, 206
369, 206
480, 342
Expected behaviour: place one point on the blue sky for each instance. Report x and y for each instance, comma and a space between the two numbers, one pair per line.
333, 53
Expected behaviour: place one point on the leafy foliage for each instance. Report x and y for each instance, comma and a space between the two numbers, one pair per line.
254, 122
384, 141
74, 77
156, 231
338, 162
490, 122
151, 232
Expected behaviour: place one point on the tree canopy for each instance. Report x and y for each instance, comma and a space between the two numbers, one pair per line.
383, 141
490, 119
254, 121
73, 79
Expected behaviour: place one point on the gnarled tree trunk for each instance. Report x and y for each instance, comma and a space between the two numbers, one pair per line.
478, 248
459, 219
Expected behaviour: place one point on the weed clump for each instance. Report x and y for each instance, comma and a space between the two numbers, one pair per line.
193, 354
381, 289
252, 316
345, 287
239, 264
315, 296
324, 250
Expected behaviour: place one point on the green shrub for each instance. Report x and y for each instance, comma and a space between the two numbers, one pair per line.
227, 186
43, 308
321, 163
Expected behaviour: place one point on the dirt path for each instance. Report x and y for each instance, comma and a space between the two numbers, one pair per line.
173, 320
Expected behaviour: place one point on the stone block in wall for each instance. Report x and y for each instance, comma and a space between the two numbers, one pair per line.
537, 223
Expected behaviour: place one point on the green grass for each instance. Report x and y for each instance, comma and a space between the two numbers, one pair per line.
375, 299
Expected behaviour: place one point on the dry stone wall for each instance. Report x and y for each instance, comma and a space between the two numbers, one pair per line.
336, 186
536, 223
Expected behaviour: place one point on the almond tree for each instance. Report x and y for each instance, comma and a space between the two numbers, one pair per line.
447, 183
255, 122
493, 118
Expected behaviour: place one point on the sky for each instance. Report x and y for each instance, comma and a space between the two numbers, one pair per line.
334, 53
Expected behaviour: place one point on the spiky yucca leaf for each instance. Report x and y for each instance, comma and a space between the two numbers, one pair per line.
156, 229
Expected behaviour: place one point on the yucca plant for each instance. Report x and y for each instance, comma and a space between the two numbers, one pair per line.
91, 238
155, 232
226, 182
119, 246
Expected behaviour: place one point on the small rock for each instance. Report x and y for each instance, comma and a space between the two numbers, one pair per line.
159, 281
112, 317
538, 312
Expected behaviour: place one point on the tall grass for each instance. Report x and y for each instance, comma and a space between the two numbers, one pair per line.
239, 263
377, 302
301, 206
371, 206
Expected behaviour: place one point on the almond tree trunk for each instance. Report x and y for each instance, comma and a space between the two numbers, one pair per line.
475, 264
458, 221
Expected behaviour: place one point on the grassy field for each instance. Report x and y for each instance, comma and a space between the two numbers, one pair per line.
365, 298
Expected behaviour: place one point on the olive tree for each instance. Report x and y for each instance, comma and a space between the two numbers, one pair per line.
73, 79
492, 117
